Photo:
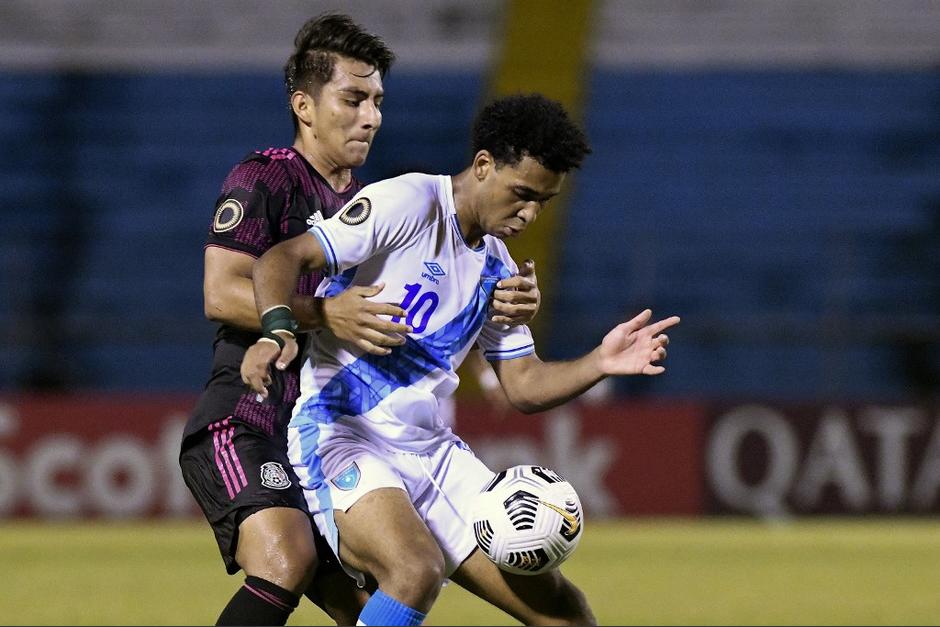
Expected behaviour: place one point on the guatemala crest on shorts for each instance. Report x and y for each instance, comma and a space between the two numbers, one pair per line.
273, 476
348, 478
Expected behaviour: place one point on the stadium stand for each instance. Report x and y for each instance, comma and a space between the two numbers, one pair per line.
768, 173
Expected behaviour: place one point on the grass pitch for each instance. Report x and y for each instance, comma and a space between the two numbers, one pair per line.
707, 572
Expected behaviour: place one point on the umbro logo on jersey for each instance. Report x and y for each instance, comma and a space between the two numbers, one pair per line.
434, 270
316, 217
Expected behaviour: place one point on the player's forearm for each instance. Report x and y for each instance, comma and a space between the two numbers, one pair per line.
308, 312
234, 304
543, 385
275, 276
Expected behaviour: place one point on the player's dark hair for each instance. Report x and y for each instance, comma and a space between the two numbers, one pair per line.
515, 126
316, 46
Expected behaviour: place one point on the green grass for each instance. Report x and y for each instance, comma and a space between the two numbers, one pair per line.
644, 572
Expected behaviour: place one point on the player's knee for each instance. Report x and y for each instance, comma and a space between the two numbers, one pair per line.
287, 562
421, 582
416, 581
296, 563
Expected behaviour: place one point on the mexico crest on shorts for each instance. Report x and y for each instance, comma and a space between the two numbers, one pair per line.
274, 476
228, 216
356, 213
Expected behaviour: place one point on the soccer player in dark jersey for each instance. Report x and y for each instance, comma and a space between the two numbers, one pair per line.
233, 456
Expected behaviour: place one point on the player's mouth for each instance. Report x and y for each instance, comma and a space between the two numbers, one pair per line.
359, 145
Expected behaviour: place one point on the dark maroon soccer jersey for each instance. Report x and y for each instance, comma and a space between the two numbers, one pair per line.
271, 196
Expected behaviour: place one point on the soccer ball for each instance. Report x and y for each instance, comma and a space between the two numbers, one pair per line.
528, 520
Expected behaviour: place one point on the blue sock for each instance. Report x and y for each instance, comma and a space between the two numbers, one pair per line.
382, 609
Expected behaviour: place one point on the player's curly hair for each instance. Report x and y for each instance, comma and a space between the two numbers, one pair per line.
316, 46
530, 124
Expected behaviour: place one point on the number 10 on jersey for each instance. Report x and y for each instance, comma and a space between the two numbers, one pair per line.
419, 308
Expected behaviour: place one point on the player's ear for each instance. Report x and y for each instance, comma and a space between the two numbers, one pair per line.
483, 164
303, 106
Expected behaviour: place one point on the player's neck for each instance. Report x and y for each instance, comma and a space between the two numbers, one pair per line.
338, 177
465, 210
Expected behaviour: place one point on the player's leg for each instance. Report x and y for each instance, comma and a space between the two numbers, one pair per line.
276, 544
278, 552
381, 534
336, 593
546, 599
243, 483
333, 590
542, 599
275, 548
367, 517
364, 511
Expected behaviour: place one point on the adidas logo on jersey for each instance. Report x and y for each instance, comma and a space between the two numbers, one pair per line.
316, 217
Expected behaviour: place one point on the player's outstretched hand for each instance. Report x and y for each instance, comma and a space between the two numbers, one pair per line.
354, 318
635, 347
516, 300
255, 370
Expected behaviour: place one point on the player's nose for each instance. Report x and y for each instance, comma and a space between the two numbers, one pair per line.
371, 116
529, 213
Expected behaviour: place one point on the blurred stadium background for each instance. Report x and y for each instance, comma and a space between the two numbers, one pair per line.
768, 170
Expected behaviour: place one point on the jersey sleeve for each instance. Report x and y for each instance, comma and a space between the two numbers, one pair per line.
251, 207
500, 341
381, 217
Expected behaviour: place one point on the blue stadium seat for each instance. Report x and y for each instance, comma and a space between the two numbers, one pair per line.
737, 195
728, 197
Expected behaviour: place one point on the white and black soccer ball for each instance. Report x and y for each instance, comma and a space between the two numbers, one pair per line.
528, 520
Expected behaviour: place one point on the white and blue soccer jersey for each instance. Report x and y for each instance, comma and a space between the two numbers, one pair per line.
403, 232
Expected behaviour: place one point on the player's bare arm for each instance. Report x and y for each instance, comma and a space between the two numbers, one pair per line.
229, 298
274, 276
516, 300
228, 295
633, 347
350, 315
488, 382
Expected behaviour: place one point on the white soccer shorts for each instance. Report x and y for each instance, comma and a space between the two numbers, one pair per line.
441, 484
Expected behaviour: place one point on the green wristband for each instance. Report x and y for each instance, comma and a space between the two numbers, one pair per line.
279, 318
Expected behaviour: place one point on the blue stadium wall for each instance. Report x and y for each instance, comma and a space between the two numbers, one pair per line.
791, 218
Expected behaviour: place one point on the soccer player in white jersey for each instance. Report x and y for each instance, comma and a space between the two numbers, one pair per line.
389, 485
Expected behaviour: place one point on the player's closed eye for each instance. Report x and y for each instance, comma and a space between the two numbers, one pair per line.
528, 199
